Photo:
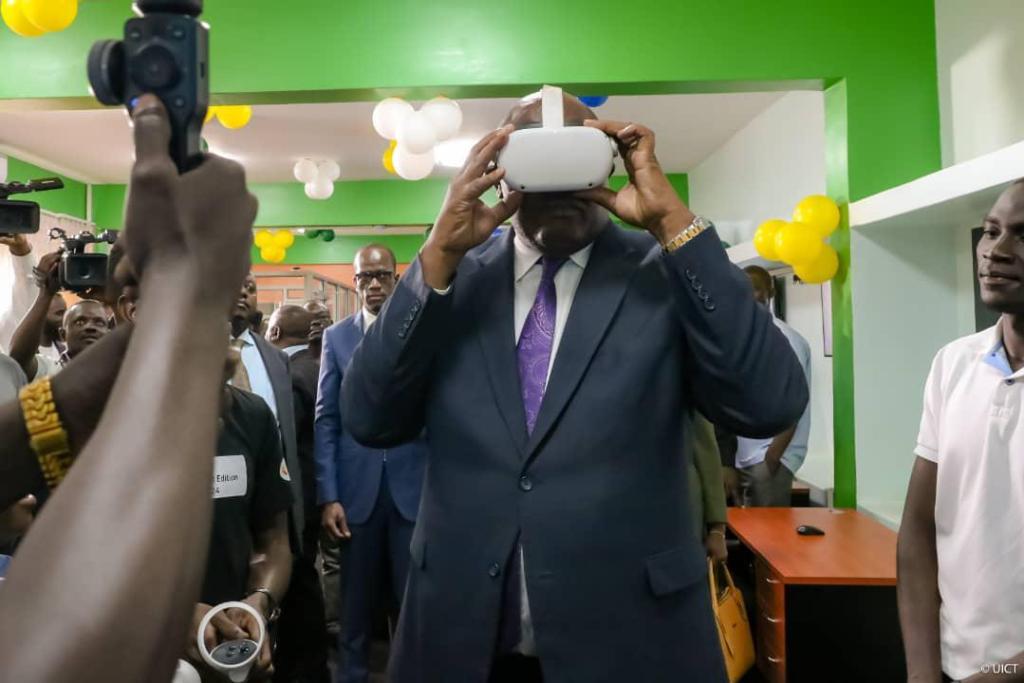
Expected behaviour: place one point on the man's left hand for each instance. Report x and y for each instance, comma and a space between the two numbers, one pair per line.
773, 461
18, 244
648, 200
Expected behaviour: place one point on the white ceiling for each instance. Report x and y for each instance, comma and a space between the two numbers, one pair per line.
95, 145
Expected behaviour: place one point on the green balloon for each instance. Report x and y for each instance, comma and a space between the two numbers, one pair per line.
313, 234
726, 245
327, 235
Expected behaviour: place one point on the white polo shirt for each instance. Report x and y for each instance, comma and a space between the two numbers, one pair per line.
972, 427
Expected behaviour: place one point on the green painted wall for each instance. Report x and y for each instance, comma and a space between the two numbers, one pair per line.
71, 200
875, 58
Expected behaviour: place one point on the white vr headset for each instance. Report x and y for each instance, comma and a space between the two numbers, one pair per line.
554, 157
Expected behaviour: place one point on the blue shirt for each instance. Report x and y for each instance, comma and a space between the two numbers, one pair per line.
750, 452
259, 378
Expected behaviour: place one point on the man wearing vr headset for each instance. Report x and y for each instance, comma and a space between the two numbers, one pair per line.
551, 367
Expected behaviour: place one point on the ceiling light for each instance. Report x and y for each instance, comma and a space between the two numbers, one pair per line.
453, 153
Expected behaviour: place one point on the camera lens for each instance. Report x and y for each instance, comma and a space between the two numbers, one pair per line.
106, 71
154, 68
190, 7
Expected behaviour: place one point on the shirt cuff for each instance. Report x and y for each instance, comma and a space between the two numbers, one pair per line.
927, 452
444, 292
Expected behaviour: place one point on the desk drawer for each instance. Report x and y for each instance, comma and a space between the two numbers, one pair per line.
771, 633
772, 666
770, 591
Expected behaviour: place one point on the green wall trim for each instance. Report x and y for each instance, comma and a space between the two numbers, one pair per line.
344, 247
70, 201
837, 183
108, 206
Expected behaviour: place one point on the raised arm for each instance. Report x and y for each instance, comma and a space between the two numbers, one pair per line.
25, 342
385, 386
751, 382
141, 487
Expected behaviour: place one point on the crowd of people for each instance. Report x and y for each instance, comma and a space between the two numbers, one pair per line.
514, 459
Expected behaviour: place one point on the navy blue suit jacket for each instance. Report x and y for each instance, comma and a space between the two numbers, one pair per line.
597, 495
346, 471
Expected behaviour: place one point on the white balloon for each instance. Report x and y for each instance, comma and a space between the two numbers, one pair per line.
445, 116
388, 116
412, 166
321, 188
329, 169
305, 170
416, 134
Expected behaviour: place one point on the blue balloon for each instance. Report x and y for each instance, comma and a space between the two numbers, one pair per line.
594, 100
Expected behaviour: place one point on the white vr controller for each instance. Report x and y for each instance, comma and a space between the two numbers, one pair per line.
554, 157
233, 658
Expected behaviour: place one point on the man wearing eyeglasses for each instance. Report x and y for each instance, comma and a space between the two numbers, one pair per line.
368, 497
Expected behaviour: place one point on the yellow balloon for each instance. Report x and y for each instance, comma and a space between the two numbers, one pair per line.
263, 239
50, 15
389, 157
798, 243
819, 212
764, 239
821, 269
234, 117
284, 238
210, 113
14, 16
272, 254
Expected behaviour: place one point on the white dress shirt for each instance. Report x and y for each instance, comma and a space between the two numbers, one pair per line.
368, 319
527, 270
294, 349
259, 378
23, 293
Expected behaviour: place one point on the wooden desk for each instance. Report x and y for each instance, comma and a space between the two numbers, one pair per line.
823, 607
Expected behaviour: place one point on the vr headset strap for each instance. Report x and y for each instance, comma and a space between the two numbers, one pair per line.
551, 110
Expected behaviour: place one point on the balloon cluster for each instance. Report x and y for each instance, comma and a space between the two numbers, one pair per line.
318, 177
413, 134
273, 245
232, 117
31, 18
801, 242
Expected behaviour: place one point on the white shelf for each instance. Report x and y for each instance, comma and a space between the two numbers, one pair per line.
744, 255
958, 196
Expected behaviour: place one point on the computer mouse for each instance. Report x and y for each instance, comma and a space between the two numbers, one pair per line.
808, 530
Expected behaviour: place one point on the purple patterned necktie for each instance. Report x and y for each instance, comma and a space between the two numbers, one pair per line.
536, 342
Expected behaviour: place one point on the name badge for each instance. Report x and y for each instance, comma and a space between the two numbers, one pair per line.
230, 476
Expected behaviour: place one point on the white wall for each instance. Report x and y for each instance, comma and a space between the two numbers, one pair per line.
761, 173
980, 48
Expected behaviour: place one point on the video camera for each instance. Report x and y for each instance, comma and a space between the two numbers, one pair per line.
19, 217
165, 52
79, 271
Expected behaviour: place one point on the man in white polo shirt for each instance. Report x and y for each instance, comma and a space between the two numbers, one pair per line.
961, 544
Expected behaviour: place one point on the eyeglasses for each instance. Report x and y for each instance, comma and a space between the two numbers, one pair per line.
382, 276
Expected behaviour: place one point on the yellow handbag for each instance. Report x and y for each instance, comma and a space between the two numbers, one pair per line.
733, 625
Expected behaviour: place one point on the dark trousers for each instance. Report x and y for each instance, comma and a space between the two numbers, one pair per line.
377, 551
301, 655
516, 669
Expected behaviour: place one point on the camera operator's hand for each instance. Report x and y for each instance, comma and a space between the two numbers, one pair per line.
206, 213
648, 200
465, 221
47, 273
18, 244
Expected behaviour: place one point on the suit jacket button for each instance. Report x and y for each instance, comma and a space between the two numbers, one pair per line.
690, 275
494, 571
525, 483
696, 284
709, 305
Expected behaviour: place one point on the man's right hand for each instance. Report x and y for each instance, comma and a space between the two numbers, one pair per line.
47, 273
334, 522
206, 213
465, 221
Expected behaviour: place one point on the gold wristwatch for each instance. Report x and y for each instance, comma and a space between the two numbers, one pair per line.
698, 225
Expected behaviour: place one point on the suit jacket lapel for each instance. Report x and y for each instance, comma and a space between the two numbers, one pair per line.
607, 277
495, 302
